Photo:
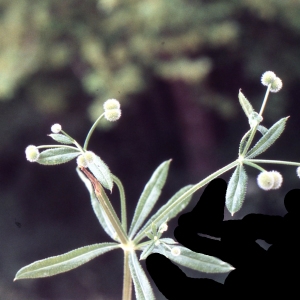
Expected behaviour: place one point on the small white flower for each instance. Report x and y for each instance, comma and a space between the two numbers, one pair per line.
298, 172
268, 78
32, 153
81, 161
277, 180
175, 251
112, 114
111, 104
89, 157
56, 128
265, 180
163, 227
276, 85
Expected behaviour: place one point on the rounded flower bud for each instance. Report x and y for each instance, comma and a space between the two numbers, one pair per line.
175, 251
276, 85
89, 157
111, 104
277, 180
268, 78
265, 180
298, 172
32, 153
163, 227
112, 114
56, 128
81, 161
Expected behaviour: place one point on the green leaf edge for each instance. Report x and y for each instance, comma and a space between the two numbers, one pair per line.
80, 255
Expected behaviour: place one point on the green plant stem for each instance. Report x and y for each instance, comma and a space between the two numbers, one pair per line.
74, 142
119, 184
91, 132
249, 141
265, 100
266, 161
189, 192
57, 146
127, 280
246, 162
107, 207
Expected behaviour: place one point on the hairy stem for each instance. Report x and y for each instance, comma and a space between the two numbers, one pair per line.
127, 280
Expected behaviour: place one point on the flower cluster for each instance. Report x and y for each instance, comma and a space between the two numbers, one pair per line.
112, 111
269, 78
269, 180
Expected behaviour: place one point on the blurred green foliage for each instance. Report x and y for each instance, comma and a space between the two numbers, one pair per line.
114, 46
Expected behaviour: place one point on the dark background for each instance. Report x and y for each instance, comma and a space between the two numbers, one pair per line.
176, 67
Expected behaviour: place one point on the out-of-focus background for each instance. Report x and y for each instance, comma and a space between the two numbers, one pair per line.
176, 67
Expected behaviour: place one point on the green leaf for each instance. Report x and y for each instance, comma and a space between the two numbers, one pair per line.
246, 105
61, 138
169, 210
65, 262
142, 287
244, 141
168, 241
55, 156
263, 130
147, 251
98, 210
149, 196
236, 189
197, 261
101, 171
267, 139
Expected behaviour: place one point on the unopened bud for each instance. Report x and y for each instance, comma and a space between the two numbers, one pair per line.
276, 85
111, 104
268, 78
277, 180
32, 153
265, 180
175, 251
112, 114
89, 157
56, 128
81, 161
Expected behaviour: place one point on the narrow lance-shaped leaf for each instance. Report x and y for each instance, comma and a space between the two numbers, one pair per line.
169, 210
147, 250
65, 262
101, 171
197, 261
236, 189
243, 141
57, 156
99, 212
149, 196
61, 138
268, 138
246, 105
142, 287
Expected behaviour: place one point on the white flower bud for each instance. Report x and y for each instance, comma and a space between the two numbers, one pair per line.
268, 78
111, 104
81, 161
32, 153
163, 227
175, 251
112, 114
265, 180
276, 85
277, 180
89, 157
298, 172
56, 128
